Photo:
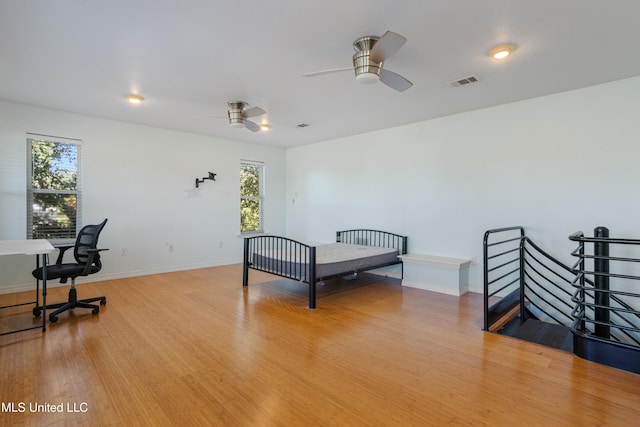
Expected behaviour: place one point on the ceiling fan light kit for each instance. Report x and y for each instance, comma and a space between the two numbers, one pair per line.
367, 78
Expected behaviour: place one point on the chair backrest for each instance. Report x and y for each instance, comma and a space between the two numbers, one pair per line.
88, 239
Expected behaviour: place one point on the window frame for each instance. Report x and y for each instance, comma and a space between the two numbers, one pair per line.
260, 198
32, 138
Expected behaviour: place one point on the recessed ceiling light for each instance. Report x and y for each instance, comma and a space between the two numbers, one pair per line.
502, 51
134, 99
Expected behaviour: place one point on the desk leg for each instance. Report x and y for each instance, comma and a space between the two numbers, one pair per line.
37, 283
44, 292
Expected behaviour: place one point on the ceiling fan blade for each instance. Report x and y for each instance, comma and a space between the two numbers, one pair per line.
319, 73
386, 46
394, 81
253, 112
253, 127
208, 117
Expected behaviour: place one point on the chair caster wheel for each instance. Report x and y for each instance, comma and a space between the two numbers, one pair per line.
95, 310
53, 318
103, 301
36, 312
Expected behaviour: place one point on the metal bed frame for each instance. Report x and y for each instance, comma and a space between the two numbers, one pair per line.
296, 260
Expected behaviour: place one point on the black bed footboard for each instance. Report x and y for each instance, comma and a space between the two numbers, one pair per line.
376, 238
283, 257
279, 255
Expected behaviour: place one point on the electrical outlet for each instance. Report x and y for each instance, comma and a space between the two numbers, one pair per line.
171, 247
220, 244
124, 251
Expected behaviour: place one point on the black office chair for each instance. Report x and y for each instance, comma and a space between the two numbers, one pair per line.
87, 257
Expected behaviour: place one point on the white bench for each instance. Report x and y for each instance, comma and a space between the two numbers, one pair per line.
436, 273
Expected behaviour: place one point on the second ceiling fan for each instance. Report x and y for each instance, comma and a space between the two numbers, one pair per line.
371, 53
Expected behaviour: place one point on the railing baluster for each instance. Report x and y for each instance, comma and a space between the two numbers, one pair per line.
601, 280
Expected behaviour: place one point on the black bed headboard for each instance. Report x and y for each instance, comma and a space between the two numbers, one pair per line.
377, 238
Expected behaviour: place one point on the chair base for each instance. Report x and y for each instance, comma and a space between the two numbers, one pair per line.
73, 302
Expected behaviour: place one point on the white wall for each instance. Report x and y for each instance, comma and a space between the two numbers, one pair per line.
143, 180
555, 164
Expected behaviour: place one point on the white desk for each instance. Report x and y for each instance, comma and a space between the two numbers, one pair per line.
30, 247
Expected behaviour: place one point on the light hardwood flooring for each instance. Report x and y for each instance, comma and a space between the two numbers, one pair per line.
194, 348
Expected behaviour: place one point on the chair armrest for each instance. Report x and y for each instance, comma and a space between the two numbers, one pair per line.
94, 256
63, 249
97, 250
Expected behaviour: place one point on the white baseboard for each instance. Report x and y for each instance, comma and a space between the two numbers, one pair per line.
101, 277
434, 288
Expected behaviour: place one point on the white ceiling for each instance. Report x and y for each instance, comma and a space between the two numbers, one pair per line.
189, 57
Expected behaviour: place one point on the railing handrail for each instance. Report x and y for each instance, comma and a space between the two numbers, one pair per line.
578, 236
500, 230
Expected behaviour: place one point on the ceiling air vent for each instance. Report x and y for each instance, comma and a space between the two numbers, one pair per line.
463, 81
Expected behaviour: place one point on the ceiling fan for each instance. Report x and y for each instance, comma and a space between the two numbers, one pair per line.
371, 52
239, 113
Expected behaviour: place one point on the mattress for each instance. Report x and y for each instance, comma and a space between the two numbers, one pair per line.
331, 259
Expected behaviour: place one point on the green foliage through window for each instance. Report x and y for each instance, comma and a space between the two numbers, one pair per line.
251, 195
53, 193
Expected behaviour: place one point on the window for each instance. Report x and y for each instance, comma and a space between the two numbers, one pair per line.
251, 196
53, 187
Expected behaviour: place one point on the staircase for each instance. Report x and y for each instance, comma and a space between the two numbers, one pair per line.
585, 309
537, 331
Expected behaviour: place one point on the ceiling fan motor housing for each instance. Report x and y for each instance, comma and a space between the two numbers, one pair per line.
235, 113
366, 69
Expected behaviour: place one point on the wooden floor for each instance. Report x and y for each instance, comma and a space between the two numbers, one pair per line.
194, 348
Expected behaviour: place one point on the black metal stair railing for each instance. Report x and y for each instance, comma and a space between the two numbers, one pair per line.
597, 299
607, 307
502, 273
516, 270
547, 285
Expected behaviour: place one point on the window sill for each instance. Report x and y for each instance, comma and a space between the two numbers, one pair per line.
251, 234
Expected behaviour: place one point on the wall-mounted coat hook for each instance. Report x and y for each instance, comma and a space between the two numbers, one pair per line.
212, 177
